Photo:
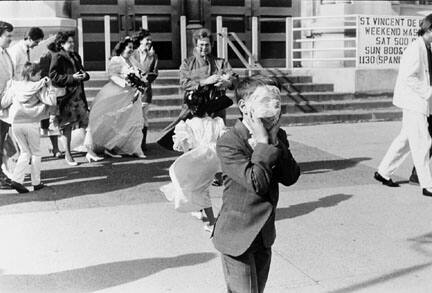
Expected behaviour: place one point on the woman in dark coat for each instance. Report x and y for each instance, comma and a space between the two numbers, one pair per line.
66, 71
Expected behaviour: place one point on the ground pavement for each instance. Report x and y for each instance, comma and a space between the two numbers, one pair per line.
105, 226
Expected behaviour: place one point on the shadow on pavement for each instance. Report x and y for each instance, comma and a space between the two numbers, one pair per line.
98, 177
422, 244
302, 209
325, 166
382, 279
99, 277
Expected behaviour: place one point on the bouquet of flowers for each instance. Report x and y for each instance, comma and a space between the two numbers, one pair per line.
135, 81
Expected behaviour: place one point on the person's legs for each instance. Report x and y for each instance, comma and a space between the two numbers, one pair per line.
20, 132
414, 178
420, 144
240, 274
262, 264
4, 128
33, 140
67, 132
397, 152
145, 110
54, 143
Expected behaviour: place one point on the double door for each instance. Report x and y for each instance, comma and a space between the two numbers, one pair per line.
237, 17
126, 19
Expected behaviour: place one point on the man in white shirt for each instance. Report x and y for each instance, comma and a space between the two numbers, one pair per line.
6, 74
413, 94
20, 51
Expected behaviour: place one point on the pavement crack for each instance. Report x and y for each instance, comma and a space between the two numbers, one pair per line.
296, 267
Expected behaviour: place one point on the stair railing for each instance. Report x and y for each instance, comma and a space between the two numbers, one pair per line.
254, 66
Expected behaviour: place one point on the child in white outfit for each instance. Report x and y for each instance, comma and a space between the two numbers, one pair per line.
193, 172
29, 102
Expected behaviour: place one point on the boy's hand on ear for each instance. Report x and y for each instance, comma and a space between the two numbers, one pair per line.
259, 132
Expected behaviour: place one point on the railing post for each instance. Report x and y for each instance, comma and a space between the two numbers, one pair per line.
219, 39
107, 32
225, 43
289, 42
183, 43
80, 38
144, 22
255, 38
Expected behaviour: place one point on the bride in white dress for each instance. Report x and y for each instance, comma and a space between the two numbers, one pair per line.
116, 119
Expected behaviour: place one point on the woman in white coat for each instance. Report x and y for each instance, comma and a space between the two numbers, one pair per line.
413, 92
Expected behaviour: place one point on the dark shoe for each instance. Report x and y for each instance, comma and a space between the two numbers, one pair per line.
38, 187
414, 179
217, 182
426, 192
384, 181
19, 187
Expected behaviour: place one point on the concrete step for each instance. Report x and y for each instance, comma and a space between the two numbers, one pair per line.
163, 90
290, 107
386, 114
175, 81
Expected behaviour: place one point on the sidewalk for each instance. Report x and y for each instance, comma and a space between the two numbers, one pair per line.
110, 230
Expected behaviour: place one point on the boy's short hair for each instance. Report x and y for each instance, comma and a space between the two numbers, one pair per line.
201, 34
5, 27
34, 34
425, 25
248, 85
30, 69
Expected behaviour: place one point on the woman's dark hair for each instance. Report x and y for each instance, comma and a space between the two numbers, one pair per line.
121, 46
247, 86
201, 34
30, 69
425, 25
138, 37
5, 27
34, 34
61, 38
197, 102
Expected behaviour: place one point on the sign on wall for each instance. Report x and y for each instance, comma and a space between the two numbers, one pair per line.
383, 39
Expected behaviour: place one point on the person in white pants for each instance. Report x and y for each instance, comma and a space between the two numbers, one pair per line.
413, 92
28, 102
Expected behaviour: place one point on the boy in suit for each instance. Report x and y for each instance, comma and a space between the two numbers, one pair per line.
255, 158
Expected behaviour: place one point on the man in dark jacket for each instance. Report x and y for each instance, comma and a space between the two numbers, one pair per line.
255, 158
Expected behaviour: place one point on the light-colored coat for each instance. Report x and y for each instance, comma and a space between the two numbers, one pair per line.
6, 74
413, 90
28, 102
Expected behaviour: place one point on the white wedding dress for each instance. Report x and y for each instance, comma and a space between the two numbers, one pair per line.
192, 173
115, 122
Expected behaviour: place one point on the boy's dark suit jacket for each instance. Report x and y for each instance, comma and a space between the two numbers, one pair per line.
251, 189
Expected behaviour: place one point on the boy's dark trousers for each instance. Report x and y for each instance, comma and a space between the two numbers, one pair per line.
249, 271
414, 178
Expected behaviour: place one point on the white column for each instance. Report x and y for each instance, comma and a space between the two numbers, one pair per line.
144, 22
219, 40
183, 40
107, 32
289, 42
255, 37
225, 43
80, 38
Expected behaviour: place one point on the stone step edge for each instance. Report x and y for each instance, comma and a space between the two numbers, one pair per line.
311, 103
392, 110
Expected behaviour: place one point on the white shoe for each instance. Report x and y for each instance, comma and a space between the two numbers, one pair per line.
108, 153
197, 215
71, 163
90, 158
141, 156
